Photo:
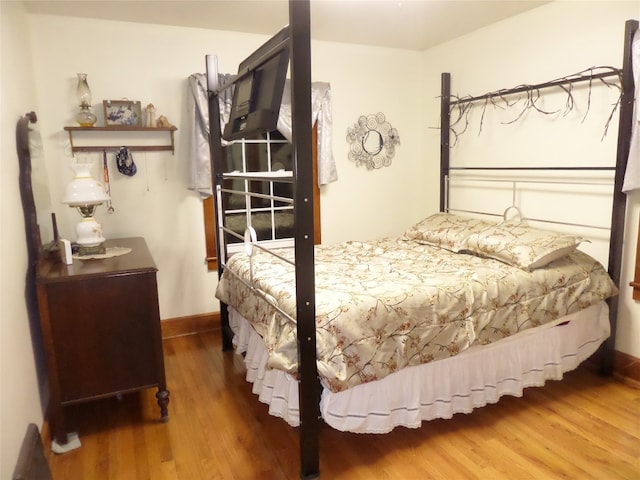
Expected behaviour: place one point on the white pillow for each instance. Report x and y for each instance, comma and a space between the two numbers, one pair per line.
518, 244
445, 230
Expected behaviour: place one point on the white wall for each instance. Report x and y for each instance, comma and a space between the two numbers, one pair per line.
548, 42
19, 392
367, 204
151, 63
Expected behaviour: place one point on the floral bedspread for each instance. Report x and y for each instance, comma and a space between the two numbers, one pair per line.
387, 304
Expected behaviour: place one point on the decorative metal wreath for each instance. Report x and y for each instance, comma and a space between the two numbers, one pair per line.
373, 141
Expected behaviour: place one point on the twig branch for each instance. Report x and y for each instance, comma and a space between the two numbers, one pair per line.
463, 105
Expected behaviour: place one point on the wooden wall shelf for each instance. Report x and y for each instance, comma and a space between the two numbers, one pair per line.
119, 137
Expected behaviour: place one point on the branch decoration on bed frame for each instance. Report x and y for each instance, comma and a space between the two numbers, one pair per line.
529, 98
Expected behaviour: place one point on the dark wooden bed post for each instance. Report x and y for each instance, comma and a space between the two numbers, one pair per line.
299, 22
445, 125
619, 199
299, 43
215, 151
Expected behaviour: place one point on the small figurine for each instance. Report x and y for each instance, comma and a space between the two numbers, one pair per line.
163, 122
151, 116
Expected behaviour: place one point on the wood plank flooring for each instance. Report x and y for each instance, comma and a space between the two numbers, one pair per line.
585, 427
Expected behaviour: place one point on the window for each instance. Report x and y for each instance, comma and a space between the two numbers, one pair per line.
271, 219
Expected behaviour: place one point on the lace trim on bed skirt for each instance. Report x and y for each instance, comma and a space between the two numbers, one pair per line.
472, 379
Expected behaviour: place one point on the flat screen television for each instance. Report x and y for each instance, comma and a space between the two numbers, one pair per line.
258, 89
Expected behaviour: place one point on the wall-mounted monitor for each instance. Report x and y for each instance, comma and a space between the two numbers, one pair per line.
258, 89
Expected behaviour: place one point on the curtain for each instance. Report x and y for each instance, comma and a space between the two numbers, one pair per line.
198, 124
632, 174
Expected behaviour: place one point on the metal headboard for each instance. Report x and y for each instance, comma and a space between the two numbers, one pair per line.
618, 206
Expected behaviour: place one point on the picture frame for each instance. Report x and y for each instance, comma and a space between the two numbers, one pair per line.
122, 113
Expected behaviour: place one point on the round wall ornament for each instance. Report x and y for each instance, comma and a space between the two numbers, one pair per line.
372, 141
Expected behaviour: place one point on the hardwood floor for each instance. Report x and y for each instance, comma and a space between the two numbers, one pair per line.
585, 427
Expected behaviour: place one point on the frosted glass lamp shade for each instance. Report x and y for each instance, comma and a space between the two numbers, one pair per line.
84, 189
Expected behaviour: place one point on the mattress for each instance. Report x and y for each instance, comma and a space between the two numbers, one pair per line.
474, 378
389, 304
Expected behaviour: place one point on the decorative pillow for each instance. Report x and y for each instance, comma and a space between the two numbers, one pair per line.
445, 230
520, 245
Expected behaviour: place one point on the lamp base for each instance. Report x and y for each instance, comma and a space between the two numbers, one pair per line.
85, 117
89, 235
91, 250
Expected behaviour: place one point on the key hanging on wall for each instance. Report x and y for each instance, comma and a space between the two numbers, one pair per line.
105, 173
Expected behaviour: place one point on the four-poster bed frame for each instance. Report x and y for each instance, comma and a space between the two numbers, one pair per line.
298, 42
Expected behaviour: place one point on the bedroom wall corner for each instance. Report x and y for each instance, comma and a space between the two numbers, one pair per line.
365, 204
537, 46
20, 402
155, 203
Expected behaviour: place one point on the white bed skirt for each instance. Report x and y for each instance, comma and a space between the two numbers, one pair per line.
472, 379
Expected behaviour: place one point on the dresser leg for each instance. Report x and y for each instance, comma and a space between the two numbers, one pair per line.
163, 402
71, 443
59, 432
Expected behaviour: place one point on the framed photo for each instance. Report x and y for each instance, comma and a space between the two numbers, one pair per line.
122, 112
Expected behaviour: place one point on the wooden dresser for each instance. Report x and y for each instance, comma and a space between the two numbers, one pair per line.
101, 329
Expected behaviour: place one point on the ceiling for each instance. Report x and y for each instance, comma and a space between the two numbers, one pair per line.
406, 24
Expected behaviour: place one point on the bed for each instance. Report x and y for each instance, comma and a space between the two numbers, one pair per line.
431, 345
395, 304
